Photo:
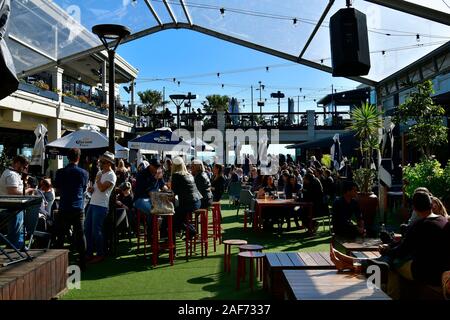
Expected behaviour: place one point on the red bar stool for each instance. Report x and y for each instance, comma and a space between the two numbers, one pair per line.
227, 255
254, 248
155, 238
188, 239
141, 217
217, 222
203, 232
252, 256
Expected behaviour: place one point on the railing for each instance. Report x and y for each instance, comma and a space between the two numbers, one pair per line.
27, 87
285, 121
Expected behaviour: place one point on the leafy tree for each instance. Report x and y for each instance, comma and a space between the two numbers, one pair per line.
215, 102
426, 129
151, 100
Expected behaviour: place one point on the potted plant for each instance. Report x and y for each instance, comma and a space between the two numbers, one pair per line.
366, 123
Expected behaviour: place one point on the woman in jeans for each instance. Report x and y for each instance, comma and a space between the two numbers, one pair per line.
98, 208
183, 186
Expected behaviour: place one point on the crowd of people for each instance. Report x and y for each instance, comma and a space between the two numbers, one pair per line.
86, 197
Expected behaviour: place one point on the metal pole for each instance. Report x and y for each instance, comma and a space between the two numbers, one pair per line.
252, 104
111, 119
298, 109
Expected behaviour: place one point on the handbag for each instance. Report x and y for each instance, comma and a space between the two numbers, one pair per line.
162, 202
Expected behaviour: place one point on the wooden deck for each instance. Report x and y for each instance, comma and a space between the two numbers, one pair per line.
40, 279
276, 262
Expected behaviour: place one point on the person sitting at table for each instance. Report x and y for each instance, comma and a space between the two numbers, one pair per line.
183, 186
292, 187
11, 183
268, 186
422, 254
344, 209
439, 208
124, 204
312, 192
202, 182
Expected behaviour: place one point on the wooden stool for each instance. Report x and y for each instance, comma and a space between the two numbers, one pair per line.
217, 221
252, 256
155, 238
253, 248
203, 232
188, 239
141, 217
227, 256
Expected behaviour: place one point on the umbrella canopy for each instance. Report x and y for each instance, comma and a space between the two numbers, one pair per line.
38, 156
335, 151
160, 140
90, 141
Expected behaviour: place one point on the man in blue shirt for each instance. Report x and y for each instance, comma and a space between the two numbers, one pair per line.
71, 182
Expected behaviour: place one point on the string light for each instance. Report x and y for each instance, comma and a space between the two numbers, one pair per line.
218, 74
222, 12
267, 69
418, 37
294, 21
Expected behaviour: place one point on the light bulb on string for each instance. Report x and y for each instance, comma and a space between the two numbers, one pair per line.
294, 21
418, 37
222, 12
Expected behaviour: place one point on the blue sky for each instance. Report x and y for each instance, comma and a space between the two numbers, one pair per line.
177, 53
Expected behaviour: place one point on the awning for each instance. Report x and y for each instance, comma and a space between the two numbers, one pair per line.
348, 143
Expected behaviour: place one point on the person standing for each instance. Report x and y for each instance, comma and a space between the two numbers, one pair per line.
11, 183
98, 208
218, 182
71, 182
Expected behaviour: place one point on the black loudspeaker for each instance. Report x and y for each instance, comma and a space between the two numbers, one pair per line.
349, 43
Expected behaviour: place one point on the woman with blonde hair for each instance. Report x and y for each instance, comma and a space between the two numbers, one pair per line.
202, 182
121, 172
183, 186
438, 207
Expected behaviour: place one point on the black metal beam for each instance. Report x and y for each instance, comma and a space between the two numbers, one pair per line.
172, 15
415, 9
153, 11
186, 12
316, 28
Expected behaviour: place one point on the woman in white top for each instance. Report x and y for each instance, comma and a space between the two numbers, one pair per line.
98, 208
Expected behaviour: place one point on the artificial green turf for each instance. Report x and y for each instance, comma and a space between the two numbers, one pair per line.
132, 277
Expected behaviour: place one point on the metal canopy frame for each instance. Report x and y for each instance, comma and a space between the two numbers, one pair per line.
399, 5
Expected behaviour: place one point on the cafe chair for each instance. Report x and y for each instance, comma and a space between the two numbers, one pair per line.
245, 199
234, 191
33, 218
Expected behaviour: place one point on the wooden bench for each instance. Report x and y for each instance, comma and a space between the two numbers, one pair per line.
366, 254
276, 262
328, 285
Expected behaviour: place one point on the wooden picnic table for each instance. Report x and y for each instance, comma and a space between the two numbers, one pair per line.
359, 244
277, 203
276, 262
328, 285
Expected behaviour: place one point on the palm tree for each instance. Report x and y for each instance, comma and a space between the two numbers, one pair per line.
151, 100
366, 121
215, 102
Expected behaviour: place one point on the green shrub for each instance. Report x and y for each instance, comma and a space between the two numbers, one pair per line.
428, 174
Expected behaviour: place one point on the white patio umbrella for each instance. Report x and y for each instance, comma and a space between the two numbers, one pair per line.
91, 141
38, 155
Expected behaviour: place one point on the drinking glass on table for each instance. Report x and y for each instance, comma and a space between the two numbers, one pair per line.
357, 268
266, 196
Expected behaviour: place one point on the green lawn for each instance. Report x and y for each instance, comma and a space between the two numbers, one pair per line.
132, 277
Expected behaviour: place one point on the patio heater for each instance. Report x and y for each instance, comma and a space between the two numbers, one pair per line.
114, 34
178, 100
279, 95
